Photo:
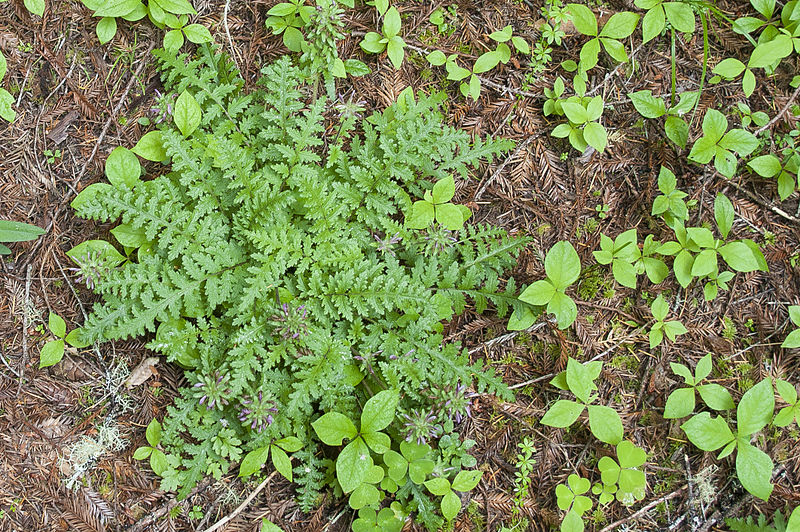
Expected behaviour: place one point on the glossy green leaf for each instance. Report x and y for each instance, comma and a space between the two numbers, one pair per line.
188, 113
353, 464
106, 29
282, 462
57, 325
150, 147
252, 461
605, 424
562, 414
51, 354
334, 427
707, 433
755, 409
11, 231
754, 469
562, 265
680, 403
583, 19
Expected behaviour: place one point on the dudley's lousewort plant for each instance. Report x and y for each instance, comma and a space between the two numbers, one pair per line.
292, 278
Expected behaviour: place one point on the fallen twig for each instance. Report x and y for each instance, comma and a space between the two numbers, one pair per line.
225, 520
644, 509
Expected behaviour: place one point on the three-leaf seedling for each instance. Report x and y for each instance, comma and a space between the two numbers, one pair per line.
563, 267
660, 328
753, 413
679, 14
255, 459
604, 422
436, 206
619, 26
53, 351
389, 39
621, 478
158, 459
720, 144
681, 402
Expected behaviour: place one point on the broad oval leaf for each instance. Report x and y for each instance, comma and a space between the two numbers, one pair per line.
379, 411
715, 396
620, 25
188, 113
680, 403
122, 167
754, 469
451, 505
150, 147
334, 427
282, 462
563, 308
583, 19
707, 433
466, 480
755, 408
51, 354
253, 461
562, 414
353, 464
562, 265
605, 424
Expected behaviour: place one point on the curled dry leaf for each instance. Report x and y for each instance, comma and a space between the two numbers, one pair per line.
142, 372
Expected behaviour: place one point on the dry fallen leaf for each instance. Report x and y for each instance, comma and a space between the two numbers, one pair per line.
142, 372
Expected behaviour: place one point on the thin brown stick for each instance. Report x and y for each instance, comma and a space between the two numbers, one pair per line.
224, 521
644, 509
780, 113
113, 115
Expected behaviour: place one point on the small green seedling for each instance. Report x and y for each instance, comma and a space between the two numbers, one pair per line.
389, 39
604, 422
52, 155
622, 477
255, 459
759, 118
720, 144
436, 206
53, 351
451, 503
660, 328
563, 267
158, 460
583, 128
786, 170
793, 339
619, 26
180, 31
287, 18
680, 402
570, 498
679, 14
621, 253
675, 127
754, 412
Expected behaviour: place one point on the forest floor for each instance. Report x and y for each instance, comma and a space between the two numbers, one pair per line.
76, 100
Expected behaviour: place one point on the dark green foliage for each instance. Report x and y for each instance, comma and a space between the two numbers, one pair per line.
277, 266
